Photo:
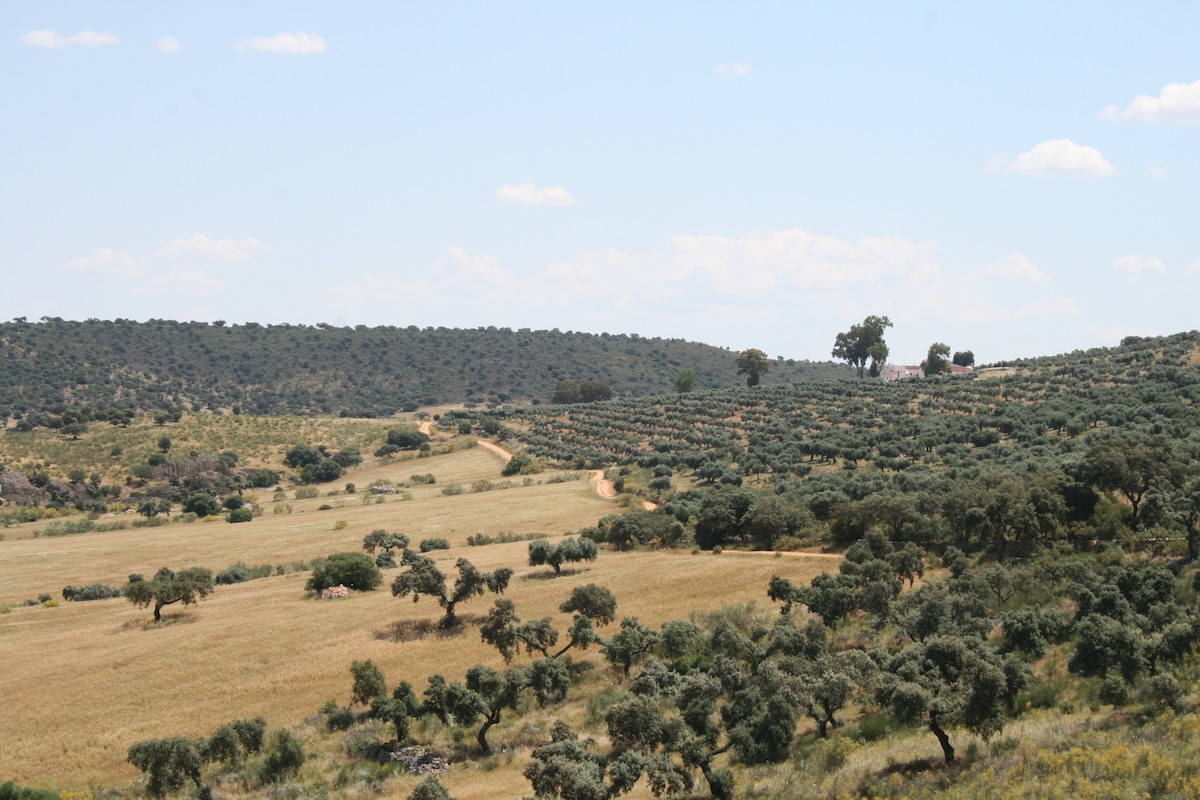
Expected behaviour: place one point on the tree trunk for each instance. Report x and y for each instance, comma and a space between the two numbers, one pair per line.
1193, 544
158, 611
943, 739
716, 786
481, 737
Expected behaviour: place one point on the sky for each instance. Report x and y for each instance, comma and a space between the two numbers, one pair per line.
1015, 179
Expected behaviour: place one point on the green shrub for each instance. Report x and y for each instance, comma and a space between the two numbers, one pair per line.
422, 479
69, 527
355, 571
451, 489
306, 492
1114, 691
94, 591
285, 756
430, 789
242, 514
428, 545
11, 791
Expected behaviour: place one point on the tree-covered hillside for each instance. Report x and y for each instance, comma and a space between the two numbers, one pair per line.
277, 369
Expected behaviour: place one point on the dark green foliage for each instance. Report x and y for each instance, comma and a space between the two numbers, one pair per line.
93, 591
593, 602
167, 587
405, 439
863, 343
753, 363
517, 465
239, 515
430, 789
298, 369
202, 504
567, 768
429, 545
422, 577
223, 746
1104, 645
284, 756
322, 472
262, 478
369, 682
629, 644
11, 791
169, 764
251, 733
569, 550
355, 571
302, 455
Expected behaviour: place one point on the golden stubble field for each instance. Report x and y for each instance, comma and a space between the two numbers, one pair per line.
80, 682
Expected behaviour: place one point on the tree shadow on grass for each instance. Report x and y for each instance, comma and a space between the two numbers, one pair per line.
412, 630
549, 574
177, 618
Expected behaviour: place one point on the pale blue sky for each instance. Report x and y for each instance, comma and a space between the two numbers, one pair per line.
1012, 178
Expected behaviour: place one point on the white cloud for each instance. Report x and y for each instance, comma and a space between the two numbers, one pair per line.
1056, 158
169, 45
482, 268
1177, 102
1135, 265
529, 195
107, 261
1158, 172
983, 312
1014, 268
301, 44
200, 245
53, 40
190, 281
1195, 267
735, 70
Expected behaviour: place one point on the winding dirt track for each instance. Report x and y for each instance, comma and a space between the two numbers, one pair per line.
604, 487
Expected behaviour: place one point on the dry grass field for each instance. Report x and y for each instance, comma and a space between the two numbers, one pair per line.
83, 681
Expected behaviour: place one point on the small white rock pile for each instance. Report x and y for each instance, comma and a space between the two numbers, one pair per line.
331, 592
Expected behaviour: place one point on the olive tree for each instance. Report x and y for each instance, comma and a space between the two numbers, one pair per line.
167, 587
422, 577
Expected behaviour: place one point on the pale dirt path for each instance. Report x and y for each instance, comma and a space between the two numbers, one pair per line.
500, 451
606, 488
426, 427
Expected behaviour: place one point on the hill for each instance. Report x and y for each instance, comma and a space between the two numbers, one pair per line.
360, 371
1007, 602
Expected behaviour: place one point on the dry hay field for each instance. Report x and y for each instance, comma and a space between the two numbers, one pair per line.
81, 682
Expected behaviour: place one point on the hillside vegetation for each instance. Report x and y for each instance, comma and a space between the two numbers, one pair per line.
958, 587
54, 364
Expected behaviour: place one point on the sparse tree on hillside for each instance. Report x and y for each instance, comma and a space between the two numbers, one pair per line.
753, 363
592, 391
568, 550
167, 587
862, 343
422, 577
369, 682
168, 763
963, 358
353, 570
685, 381
937, 360
566, 392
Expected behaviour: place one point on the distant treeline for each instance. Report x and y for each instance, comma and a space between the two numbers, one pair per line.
299, 369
